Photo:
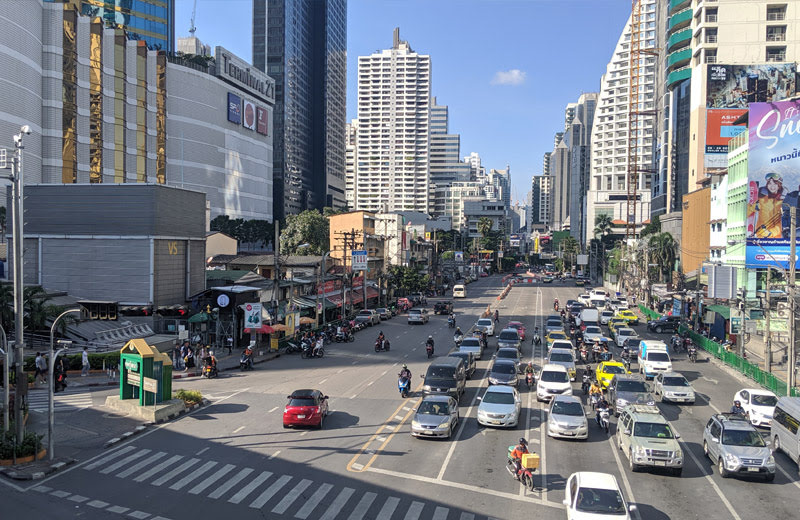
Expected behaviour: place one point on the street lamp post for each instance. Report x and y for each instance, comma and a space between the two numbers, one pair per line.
5, 378
19, 309
51, 384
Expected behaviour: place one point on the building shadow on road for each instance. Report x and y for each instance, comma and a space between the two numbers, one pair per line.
221, 408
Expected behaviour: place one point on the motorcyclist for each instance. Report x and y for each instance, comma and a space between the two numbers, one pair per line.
602, 404
405, 372
381, 339
429, 342
555, 304
596, 351
595, 391
516, 456
737, 408
529, 370
458, 334
452, 317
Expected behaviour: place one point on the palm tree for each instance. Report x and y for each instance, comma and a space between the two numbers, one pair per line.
484, 226
570, 248
664, 251
602, 225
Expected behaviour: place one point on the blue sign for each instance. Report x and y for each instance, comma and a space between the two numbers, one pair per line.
234, 108
359, 260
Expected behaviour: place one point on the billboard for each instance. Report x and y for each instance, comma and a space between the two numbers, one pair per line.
248, 115
736, 86
773, 181
719, 130
234, 108
261, 120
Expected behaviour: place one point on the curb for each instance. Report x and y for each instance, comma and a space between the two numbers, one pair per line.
124, 436
185, 410
37, 475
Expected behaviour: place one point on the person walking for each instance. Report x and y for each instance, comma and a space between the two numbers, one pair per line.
85, 362
41, 371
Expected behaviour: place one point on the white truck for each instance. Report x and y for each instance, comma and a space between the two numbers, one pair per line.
591, 315
653, 358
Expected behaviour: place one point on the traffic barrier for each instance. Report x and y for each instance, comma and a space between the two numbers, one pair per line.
649, 313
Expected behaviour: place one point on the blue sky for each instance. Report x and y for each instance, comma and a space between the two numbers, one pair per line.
506, 68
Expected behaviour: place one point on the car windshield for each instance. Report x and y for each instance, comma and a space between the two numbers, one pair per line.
509, 335
567, 408
461, 355
654, 430
608, 313
433, 408
498, 398
592, 330
626, 332
675, 381
742, 438
631, 386
551, 376
561, 357
380, 309
614, 369
471, 342
507, 354
557, 334
658, 356
764, 400
504, 368
366, 313
601, 501
302, 401
415, 311
632, 343
441, 372
553, 323
484, 323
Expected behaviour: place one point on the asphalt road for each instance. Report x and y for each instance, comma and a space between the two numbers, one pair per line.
234, 457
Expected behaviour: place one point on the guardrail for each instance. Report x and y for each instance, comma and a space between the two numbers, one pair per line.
649, 313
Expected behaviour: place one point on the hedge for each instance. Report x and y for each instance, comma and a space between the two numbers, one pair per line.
74, 361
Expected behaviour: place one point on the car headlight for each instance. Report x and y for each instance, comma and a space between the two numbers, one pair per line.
427, 388
415, 424
443, 426
621, 402
678, 453
481, 413
732, 459
771, 461
651, 403
639, 450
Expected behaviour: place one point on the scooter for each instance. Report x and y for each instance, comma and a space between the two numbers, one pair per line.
344, 336
603, 420
404, 386
529, 379
458, 338
525, 475
209, 371
451, 323
585, 384
429, 350
693, 354
537, 339
382, 347
309, 351
292, 348
246, 362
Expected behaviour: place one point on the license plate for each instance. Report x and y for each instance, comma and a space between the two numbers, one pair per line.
427, 433
569, 433
752, 469
659, 463
301, 416
496, 422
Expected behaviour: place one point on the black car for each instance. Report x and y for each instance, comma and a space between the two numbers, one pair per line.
469, 361
664, 324
443, 307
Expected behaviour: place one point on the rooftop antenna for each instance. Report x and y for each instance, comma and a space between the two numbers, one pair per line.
192, 28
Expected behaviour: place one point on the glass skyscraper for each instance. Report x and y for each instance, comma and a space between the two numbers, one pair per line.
302, 45
152, 21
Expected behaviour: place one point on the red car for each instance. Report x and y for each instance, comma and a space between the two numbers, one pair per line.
520, 328
305, 408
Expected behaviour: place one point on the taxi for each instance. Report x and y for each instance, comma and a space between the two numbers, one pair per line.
554, 335
519, 327
629, 316
606, 372
615, 322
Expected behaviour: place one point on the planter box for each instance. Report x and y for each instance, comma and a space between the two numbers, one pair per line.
23, 460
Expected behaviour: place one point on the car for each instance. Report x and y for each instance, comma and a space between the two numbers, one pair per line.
758, 404
519, 327
552, 380
605, 316
547, 279
484, 274
487, 325
383, 313
647, 439
511, 354
500, 406
633, 344
565, 358
469, 361
737, 448
580, 282
622, 333
562, 343
613, 305
628, 389
443, 307
574, 309
593, 333
664, 324
673, 387
509, 338
629, 316
554, 335
473, 345
566, 418
504, 372
418, 316
435, 416
613, 323
607, 370
599, 291
553, 325
584, 299
623, 304
306, 407
595, 496
369, 317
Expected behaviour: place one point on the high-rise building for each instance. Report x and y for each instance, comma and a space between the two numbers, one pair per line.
193, 45
608, 186
351, 163
302, 45
476, 171
152, 21
499, 184
560, 193
394, 95
450, 199
446, 166
546, 163
540, 217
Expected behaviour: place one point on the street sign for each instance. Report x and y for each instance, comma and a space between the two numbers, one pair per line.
149, 384
133, 378
459, 256
359, 260
3, 159
583, 259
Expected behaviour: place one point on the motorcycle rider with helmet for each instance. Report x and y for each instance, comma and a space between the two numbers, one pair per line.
429, 342
602, 404
737, 408
516, 456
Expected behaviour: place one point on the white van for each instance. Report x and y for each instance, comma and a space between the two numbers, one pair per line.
588, 315
653, 358
784, 430
459, 291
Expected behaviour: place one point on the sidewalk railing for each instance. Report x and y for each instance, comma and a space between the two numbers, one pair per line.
649, 313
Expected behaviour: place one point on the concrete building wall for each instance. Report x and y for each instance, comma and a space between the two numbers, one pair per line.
695, 231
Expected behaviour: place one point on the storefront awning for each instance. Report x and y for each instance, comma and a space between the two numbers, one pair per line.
200, 317
263, 329
722, 310
304, 303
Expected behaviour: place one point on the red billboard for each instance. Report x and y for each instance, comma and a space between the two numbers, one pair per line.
720, 128
261, 120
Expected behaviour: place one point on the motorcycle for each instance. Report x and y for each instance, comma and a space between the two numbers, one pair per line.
537, 339
451, 323
529, 380
603, 419
585, 384
429, 349
457, 338
246, 362
595, 399
627, 362
344, 336
404, 386
210, 371
309, 351
525, 475
693, 354
382, 346
292, 348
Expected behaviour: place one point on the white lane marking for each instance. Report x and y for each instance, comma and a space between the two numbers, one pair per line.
363, 505
268, 493
787, 475
250, 487
338, 504
414, 511
380, 439
291, 496
440, 513
406, 408
722, 497
118, 509
340, 371
199, 488
398, 417
98, 504
43, 489
237, 430
388, 507
323, 381
224, 488
199, 472
625, 481
274, 455
175, 472
313, 502
710, 380
385, 371
123, 462
143, 464
467, 516
272, 409
370, 383
203, 450
109, 457
357, 466
155, 469
61, 494
139, 515
304, 433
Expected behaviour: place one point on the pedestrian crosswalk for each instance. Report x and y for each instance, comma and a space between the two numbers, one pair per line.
63, 402
273, 493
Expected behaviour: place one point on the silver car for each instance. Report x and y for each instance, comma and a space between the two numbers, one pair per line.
503, 372
553, 325
500, 406
566, 418
471, 345
592, 334
565, 358
509, 338
436, 416
605, 316
628, 389
672, 386
737, 448
418, 316
511, 354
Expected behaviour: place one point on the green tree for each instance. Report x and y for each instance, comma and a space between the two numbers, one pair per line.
602, 225
309, 227
663, 252
484, 226
570, 247
653, 227
449, 255
407, 278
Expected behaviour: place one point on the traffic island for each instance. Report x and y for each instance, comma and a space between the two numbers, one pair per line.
37, 469
157, 413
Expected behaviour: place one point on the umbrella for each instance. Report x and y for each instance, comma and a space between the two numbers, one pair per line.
279, 326
263, 329
306, 320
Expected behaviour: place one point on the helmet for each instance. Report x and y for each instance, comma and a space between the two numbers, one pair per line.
405, 366
430, 337
522, 441
530, 363
737, 402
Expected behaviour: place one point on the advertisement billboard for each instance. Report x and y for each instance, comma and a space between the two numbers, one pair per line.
234, 108
261, 120
736, 86
248, 114
719, 130
773, 176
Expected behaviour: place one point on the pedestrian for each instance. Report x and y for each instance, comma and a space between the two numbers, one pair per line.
189, 358
229, 342
85, 362
38, 363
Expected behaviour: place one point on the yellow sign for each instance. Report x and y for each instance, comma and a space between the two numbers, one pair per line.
292, 322
173, 248
273, 344
427, 235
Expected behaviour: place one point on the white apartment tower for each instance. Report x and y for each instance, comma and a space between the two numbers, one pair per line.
393, 139
608, 188
350, 164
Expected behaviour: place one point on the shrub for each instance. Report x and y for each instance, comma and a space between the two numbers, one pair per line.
31, 443
189, 396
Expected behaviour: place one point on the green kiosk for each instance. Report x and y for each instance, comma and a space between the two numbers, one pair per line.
145, 373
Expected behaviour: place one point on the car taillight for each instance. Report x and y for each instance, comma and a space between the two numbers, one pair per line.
319, 408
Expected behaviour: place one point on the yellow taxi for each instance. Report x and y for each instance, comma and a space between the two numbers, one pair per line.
629, 316
607, 370
554, 335
615, 322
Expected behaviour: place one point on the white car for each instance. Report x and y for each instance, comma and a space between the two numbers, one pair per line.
553, 380
589, 495
599, 292
758, 404
500, 406
672, 386
584, 299
605, 317
623, 333
622, 306
566, 418
487, 325
592, 334
561, 343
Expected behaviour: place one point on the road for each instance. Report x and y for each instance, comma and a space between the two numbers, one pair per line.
234, 457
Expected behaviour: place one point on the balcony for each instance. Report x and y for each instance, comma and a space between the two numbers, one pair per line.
680, 20
678, 75
679, 58
679, 39
677, 5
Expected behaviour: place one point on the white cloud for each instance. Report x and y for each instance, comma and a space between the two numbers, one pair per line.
511, 77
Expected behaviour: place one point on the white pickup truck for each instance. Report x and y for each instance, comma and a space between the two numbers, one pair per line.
653, 358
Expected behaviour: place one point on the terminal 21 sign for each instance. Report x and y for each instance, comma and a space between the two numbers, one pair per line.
244, 112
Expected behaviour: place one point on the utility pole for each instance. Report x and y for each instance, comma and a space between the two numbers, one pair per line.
740, 306
792, 268
275, 277
768, 361
19, 309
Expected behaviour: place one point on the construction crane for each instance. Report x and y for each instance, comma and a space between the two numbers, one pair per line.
192, 28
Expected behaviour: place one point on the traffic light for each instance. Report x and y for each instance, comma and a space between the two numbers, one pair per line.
98, 310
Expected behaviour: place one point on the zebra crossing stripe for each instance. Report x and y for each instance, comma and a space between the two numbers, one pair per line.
199, 488
109, 457
338, 504
388, 507
139, 465
224, 488
414, 511
250, 487
440, 513
193, 475
268, 493
175, 472
123, 462
363, 506
314, 501
155, 469
290, 497
467, 516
